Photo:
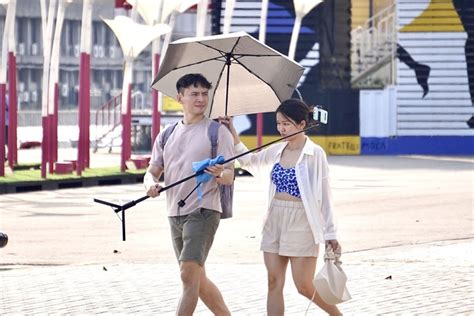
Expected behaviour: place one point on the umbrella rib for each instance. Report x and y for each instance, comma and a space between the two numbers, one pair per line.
221, 51
222, 70
253, 55
200, 62
235, 45
215, 89
237, 55
250, 71
217, 50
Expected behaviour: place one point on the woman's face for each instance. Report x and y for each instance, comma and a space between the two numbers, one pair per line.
287, 126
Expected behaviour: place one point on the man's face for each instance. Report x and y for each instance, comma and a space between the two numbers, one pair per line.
194, 100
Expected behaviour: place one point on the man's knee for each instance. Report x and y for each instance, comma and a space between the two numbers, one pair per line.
190, 272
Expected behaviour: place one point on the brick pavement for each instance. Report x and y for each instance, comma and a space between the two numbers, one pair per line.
433, 278
380, 201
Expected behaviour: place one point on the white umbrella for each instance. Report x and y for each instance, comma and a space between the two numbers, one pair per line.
247, 76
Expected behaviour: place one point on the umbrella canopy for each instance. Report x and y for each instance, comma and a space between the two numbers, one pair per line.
247, 76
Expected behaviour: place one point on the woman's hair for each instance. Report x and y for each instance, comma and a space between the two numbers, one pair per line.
297, 111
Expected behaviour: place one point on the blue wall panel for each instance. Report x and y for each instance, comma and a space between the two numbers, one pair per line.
418, 145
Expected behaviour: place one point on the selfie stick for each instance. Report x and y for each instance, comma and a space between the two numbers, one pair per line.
121, 208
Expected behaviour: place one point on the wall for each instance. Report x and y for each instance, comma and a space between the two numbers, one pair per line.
432, 103
323, 49
434, 98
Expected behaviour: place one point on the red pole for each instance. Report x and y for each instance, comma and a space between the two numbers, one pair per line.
80, 154
155, 114
53, 131
126, 131
56, 121
51, 143
3, 101
44, 145
12, 111
84, 109
87, 107
259, 129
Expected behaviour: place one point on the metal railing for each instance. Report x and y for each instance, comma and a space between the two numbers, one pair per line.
107, 118
374, 44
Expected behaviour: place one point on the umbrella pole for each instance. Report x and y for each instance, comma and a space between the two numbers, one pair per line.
123, 226
227, 62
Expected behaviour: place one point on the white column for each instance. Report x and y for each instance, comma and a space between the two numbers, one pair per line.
47, 39
229, 10
55, 54
201, 18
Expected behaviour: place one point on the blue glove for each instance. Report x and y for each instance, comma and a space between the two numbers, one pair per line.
204, 177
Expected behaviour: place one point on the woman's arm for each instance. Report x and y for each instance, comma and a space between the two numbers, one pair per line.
228, 122
330, 229
254, 161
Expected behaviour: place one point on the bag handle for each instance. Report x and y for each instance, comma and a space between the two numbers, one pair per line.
330, 254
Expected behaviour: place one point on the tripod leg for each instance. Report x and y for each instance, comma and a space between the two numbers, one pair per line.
123, 225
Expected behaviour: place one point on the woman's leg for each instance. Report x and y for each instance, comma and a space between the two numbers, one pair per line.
276, 269
303, 269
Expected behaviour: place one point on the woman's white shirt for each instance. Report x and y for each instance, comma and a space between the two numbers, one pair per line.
312, 175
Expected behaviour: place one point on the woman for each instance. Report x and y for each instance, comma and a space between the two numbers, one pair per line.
300, 214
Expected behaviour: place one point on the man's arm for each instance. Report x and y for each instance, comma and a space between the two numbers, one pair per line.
226, 177
223, 175
152, 176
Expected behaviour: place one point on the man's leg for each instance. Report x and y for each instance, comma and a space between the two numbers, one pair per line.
191, 273
197, 236
211, 296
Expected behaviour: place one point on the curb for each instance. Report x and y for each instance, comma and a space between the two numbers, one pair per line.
43, 185
49, 184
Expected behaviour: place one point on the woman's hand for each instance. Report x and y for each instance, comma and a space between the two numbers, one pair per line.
228, 122
334, 244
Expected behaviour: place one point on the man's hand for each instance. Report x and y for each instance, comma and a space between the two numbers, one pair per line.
215, 171
154, 190
151, 179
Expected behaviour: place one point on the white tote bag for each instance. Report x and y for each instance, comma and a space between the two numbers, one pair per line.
330, 282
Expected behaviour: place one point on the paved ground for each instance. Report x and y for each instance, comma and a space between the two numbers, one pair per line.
408, 218
434, 278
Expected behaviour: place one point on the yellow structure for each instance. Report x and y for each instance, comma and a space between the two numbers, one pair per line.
439, 16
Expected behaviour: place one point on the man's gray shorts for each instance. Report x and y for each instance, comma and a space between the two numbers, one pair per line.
193, 234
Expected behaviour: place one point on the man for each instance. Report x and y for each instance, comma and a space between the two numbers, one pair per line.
193, 225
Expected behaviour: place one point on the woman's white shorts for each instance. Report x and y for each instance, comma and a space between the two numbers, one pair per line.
287, 232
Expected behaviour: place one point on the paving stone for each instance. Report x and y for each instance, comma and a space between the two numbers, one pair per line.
155, 288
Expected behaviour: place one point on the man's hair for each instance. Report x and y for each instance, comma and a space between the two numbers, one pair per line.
195, 80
